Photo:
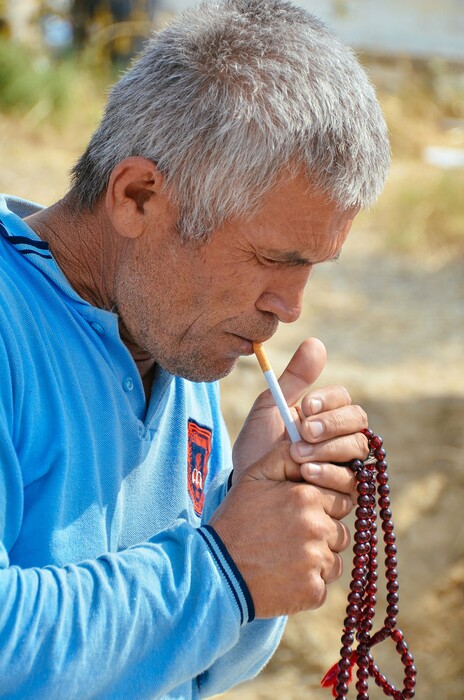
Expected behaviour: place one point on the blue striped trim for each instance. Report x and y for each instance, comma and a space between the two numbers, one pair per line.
224, 572
245, 591
24, 240
35, 252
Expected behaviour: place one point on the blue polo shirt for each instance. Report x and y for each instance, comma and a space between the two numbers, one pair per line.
112, 585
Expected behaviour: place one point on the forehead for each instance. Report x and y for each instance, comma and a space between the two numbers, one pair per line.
298, 219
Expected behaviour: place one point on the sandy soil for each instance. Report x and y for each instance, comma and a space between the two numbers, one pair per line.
394, 331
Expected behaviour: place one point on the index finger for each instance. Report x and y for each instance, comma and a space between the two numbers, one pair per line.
325, 399
330, 476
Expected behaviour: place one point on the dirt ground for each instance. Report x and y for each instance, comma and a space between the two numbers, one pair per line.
394, 330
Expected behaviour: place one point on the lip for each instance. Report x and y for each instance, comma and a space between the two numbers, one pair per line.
247, 344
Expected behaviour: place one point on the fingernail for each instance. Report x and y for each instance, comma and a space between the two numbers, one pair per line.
316, 405
310, 469
304, 449
316, 428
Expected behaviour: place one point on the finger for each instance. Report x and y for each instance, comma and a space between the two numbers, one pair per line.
325, 399
334, 570
339, 449
276, 465
333, 423
303, 369
340, 538
328, 476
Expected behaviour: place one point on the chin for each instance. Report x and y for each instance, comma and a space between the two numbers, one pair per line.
196, 371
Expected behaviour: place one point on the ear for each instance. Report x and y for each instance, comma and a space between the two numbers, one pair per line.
133, 194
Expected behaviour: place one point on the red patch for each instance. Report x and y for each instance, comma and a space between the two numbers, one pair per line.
198, 452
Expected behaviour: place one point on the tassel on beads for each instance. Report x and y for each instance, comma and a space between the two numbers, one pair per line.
330, 679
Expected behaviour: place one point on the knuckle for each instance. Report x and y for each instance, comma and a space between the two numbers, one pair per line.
362, 444
305, 496
361, 415
346, 538
317, 592
344, 394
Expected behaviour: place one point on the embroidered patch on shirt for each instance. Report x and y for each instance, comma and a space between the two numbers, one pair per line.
198, 452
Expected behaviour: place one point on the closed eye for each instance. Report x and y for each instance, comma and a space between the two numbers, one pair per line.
286, 262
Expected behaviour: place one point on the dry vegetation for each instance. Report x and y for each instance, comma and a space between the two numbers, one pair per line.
391, 315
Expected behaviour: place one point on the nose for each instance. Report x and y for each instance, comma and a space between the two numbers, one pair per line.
285, 299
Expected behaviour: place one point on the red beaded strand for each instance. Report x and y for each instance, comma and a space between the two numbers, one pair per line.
372, 479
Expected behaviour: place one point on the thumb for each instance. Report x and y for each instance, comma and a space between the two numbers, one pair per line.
303, 369
276, 465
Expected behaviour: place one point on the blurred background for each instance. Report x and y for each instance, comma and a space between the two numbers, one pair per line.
390, 311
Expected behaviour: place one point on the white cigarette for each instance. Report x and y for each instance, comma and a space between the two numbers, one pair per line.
276, 392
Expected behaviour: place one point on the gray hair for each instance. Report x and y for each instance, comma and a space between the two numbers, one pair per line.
227, 98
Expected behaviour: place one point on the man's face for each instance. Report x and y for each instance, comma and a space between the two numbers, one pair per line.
195, 308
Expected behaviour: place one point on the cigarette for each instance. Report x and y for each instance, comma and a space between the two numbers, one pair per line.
276, 392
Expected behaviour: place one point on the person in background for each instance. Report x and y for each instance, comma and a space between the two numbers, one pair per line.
139, 556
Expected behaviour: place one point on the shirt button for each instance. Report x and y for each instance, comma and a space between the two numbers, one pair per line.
97, 328
128, 384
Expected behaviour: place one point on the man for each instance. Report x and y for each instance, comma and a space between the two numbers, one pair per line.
231, 159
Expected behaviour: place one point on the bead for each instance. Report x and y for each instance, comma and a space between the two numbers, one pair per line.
354, 598
385, 514
352, 610
350, 622
368, 433
392, 586
407, 659
357, 573
347, 639
362, 512
362, 524
380, 680
359, 548
342, 688
363, 501
360, 560
356, 585
356, 464
345, 653
408, 694
392, 599
409, 683
344, 664
379, 454
376, 441
362, 536
392, 610
410, 671
390, 563
343, 676
391, 550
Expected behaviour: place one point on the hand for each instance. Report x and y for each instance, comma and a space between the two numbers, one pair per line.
329, 425
285, 535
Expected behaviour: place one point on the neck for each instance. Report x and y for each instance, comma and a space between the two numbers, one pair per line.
79, 242
87, 251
